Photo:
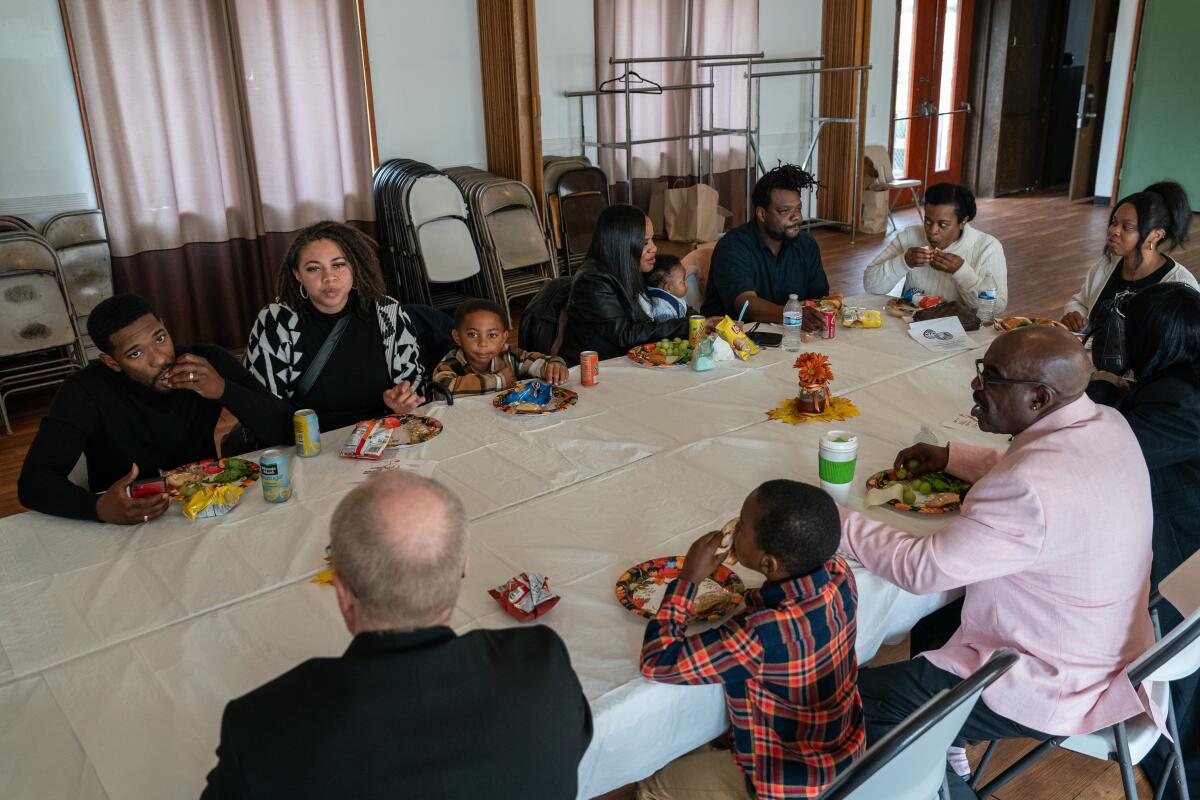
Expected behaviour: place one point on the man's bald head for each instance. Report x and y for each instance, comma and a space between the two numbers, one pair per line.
1047, 354
1050, 367
398, 546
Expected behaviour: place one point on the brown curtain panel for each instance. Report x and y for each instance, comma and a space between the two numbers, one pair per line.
219, 128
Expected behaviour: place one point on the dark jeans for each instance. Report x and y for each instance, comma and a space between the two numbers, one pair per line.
892, 693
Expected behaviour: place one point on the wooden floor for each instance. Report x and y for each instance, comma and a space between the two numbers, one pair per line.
1049, 243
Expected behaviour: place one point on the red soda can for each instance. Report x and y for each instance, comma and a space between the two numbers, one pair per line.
830, 324
589, 367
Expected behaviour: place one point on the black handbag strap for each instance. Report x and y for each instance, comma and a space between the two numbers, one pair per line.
305, 384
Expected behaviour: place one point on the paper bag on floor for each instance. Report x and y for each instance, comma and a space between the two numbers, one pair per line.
873, 218
691, 214
658, 202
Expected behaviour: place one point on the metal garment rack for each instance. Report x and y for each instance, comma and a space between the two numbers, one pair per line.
707, 133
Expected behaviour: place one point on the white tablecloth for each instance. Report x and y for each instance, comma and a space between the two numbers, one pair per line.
120, 646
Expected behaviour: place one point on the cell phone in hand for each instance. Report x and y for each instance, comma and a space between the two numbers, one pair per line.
146, 487
768, 339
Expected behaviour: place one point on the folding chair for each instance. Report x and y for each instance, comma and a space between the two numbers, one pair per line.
909, 763
81, 242
11, 224
582, 196
39, 340
1172, 657
900, 184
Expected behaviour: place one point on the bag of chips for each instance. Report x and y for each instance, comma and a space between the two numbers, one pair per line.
854, 317
212, 500
732, 332
525, 596
369, 439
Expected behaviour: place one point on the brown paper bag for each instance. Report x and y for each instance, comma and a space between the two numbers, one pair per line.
691, 214
873, 218
658, 201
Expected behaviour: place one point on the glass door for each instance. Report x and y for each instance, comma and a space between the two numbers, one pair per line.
932, 63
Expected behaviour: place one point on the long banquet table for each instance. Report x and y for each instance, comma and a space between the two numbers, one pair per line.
119, 647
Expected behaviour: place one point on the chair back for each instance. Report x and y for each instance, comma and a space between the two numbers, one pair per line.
909, 763
25, 252
10, 223
82, 245
1175, 656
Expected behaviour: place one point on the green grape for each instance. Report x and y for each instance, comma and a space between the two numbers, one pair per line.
909, 497
913, 463
901, 473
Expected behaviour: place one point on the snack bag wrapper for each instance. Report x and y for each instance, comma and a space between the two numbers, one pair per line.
732, 332
212, 501
534, 392
369, 439
853, 317
525, 596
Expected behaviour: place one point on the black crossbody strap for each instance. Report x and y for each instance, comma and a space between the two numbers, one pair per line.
305, 384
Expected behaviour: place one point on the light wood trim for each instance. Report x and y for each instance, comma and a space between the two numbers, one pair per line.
83, 115
1133, 54
845, 42
511, 93
361, 10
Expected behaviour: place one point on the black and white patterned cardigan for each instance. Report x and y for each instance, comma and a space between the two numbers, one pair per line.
273, 351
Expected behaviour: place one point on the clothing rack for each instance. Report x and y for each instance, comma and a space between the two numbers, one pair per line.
706, 134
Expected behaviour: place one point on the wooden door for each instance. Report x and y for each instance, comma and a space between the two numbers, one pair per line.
931, 89
1089, 116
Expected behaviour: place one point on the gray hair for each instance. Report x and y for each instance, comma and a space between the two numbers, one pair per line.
399, 541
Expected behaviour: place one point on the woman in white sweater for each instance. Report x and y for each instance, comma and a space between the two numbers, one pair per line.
1142, 229
944, 256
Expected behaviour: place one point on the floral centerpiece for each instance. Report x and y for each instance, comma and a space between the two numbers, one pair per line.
815, 375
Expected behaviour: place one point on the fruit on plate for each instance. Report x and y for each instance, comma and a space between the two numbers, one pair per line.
664, 352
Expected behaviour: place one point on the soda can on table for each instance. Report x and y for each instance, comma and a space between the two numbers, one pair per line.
828, 324
273, 472
695, 329
589, 367
308, 433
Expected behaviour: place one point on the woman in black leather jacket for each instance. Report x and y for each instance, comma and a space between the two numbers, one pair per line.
608, 309
1162, 346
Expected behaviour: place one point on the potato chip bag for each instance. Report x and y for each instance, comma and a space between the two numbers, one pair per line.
732, 332
212, 500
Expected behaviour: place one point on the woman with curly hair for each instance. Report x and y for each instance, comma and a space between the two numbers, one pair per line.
333, 340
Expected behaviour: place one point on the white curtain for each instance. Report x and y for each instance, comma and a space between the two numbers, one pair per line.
214, 120
647, 28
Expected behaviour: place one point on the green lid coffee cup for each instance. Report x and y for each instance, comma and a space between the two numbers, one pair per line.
837, 457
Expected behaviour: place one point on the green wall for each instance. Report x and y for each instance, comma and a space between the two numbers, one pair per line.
1163, 137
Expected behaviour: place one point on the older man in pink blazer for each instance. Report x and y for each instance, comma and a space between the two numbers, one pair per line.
1053, 546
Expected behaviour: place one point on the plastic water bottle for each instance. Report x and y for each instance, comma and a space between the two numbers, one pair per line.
987, 304
926, 436
793, 322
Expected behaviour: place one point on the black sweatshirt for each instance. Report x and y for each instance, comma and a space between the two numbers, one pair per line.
116, 422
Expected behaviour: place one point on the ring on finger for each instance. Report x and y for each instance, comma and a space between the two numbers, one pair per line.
145, 517
191, 376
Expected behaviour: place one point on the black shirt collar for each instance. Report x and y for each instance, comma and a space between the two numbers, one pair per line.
372, 642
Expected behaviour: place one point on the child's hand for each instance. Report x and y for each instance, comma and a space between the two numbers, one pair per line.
401, 398
557, 374
702, 558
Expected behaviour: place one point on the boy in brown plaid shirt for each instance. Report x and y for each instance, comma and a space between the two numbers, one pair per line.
484, 361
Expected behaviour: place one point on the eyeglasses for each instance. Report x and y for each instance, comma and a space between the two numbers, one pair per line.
989, 379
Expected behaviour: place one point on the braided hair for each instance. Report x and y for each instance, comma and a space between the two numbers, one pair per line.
361, 254
785, 176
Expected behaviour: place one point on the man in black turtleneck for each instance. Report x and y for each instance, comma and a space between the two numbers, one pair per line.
145, 406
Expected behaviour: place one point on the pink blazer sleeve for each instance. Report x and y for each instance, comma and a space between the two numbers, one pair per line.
999, 532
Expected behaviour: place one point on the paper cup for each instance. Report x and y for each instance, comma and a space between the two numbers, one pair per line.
837, 457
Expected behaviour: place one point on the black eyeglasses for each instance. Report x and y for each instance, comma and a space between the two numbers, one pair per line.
988, 379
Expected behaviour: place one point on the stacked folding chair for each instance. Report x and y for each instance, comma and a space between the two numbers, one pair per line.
81, 242
582, 194
9, 224
39, 339
512, 243
552, 169
425, 235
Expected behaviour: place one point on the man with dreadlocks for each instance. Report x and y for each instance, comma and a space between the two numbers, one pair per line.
769, 257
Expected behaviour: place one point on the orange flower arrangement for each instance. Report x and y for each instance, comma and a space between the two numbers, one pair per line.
814, 369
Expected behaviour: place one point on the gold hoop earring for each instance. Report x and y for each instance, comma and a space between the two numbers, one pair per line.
303, 293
